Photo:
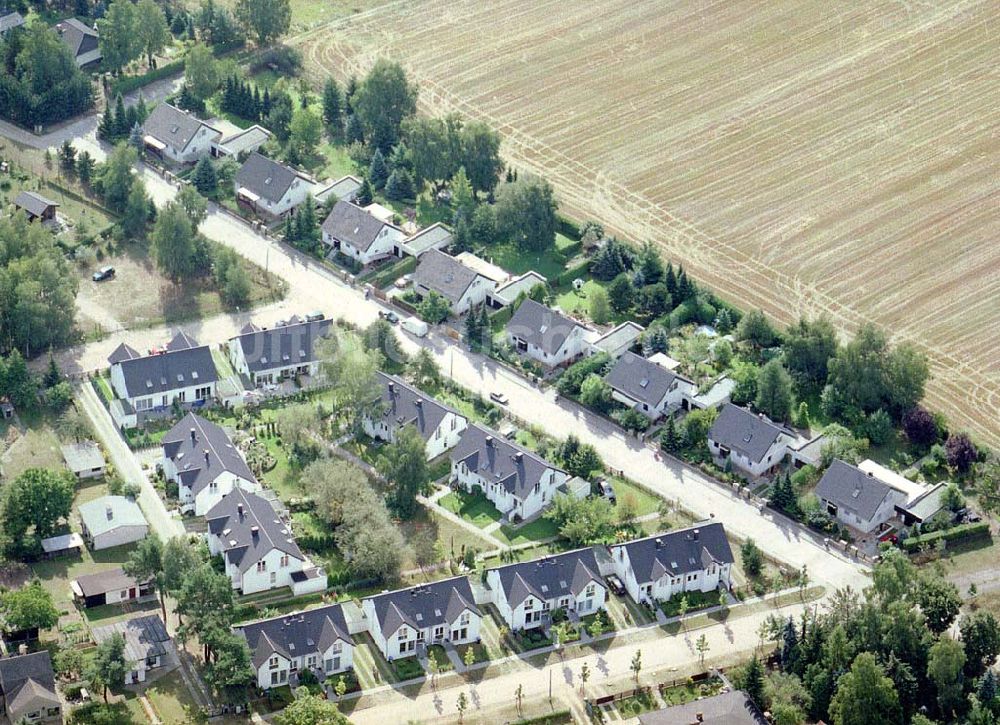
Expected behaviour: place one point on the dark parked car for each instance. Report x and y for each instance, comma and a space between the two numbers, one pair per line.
391, 317
104, 273
615, 584
607, 491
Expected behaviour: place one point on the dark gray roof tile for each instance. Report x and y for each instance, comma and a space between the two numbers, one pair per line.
851, 488
676, 553
744, 432
402, 405
550, 577
538, 325
296, 634
443, 274
282, 346
641, 379
425, 605
267, 178
201, 450
494, 458
249, 528
350, 224
170, 124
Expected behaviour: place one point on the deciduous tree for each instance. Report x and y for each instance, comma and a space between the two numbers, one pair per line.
264, 20
526, 213
382, 101
151, 28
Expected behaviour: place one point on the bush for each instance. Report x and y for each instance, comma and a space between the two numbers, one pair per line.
957, 533
570, 381
568, 228
281, 59
126, 84
631, 419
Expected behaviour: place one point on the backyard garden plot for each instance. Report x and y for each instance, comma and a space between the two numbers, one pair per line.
780, 153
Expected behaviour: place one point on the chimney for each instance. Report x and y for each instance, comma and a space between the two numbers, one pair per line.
22, 649
870, 474
255, 530
206, 455
418, 402
194, 435
489, 441
109, 513
519, 456
659, 543
239, 510
695, 534
392, 387
760, 415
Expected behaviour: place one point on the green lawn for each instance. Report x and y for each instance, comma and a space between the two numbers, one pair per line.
634, 706
443, 663
172, 700
336, 163
696, 600
517, 261
37, 448
537, 530
473, 507
577, 302
690, 691
627, 493
408, 668
369, 666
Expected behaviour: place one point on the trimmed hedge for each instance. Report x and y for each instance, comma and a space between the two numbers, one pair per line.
555, 718
568, 275
956, 533
567, 227
390, 272
131, 83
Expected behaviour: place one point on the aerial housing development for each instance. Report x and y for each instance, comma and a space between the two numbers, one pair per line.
499, 362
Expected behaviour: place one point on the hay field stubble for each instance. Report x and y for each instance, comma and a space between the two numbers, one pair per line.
802, 157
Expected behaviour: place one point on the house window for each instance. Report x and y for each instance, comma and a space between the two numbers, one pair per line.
273, 664
284, 560
590, 590
203, 393
274, 678
53, 711
403, 634
143, 404
464, 619
529, 605
438, 632
338, 647
692, 577
124, 594
311, 661
181, 396
261, 566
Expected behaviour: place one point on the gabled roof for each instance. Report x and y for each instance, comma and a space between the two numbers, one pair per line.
550, 577
31, 691
402, 405
201, 451
296, 634
509, 290
641, 379
495, 459
350, 224
851, 488
267, 178
676, 553
744, 432
10, 21
170, 124
108, 513
345, 188
112, 580
33, 202
624, 335
281, 346
80, 37
181, 366
249, 528
425, 605
540, 326
19, 670
249, 139
144, 636
123, 352
181, 341
444, 274
727, 708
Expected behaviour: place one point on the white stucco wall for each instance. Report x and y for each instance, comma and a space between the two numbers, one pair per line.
662, 589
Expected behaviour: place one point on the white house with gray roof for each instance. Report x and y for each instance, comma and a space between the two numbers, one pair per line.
270, 189
545, 335
346, 188
462, 286
647, 387
751, 442
258, 547
268, 356
281, 647
436, 236
862, 499
147, 645
147, 386
518, 482
659, 567
527, 593
112, 521
200, 458
507, 292
28, 689
178, 135
405, 622
403, 405
360, 235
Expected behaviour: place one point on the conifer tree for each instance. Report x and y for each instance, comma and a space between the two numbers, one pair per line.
378, 172
332, 109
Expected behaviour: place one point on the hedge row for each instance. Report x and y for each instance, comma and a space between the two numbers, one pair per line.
964, 531
568, 228
391, 272
561, 716
131, 83
568, 275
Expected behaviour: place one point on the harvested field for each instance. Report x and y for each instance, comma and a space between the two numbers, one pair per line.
800, 157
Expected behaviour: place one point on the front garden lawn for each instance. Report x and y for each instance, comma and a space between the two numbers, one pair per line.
473, 507
537, 530
696, 600
408, 668
532, 639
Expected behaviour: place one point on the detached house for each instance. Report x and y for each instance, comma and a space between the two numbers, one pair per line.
403, 405
462, 286
316, 640
518, 482
258, 547
112, 521
647, 387
436, 236
545, 335
178, 135
11, 21
752, 443
866, 496
199, 456
147, 645
113, 586
35, 206
659, 567
28, 689
81, 39
360, 235
270, 356
147, 386
405, 622
526, 594
269, 189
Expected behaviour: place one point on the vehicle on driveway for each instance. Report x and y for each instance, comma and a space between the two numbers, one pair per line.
103, 274
389, 316
607, 491
499, 398
615, 584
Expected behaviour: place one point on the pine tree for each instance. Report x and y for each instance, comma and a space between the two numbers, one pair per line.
205, 179
685, 288
378, 172
473, 331
366, 195
353, 130
484, 327
724, 321
332, 107
789, 646
400, 185
52, 374
308, 231
987, 688
670, 439
257, 105
670, 279
265, 103
753, 682
289, 229
121, 127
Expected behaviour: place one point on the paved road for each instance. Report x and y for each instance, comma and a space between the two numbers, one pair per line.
612, 666
126, 464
